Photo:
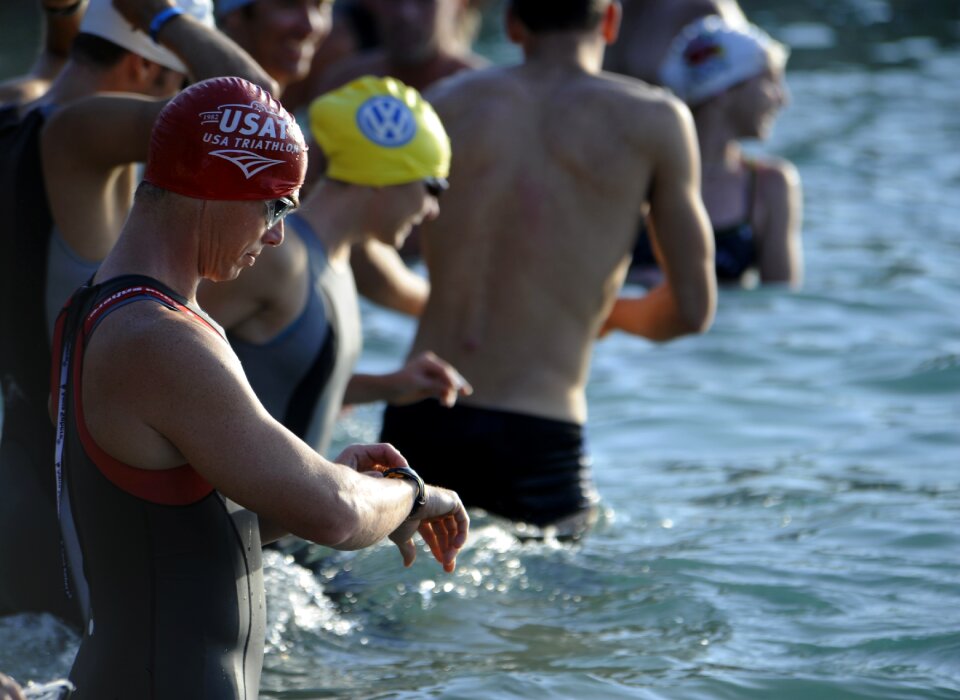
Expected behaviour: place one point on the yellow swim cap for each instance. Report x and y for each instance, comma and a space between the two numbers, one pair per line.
378, 132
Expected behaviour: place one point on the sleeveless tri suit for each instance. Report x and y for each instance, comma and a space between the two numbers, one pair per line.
168, 571
301, 375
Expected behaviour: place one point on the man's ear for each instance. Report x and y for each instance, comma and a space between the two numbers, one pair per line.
138, 72
610, 24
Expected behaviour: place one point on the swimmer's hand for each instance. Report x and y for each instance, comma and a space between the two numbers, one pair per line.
371, 458
442, 521
427, 376
443, 524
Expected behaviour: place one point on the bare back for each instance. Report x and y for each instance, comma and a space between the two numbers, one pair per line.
550, 175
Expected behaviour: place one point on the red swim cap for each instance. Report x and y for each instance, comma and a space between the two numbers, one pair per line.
226, 138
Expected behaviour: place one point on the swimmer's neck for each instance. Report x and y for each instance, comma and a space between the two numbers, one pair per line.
564, 50
335, 214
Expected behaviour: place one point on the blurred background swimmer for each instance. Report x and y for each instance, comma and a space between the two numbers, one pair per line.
649, 26
732, 78
282, 35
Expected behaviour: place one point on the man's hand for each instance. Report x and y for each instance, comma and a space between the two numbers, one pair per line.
443, 524
371, 458
427, 376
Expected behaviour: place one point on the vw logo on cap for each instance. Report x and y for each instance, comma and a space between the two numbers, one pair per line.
386, 121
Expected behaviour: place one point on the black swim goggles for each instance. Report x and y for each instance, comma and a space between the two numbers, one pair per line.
277, 209
436, 186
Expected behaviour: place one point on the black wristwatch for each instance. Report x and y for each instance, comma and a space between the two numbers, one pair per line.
408, 473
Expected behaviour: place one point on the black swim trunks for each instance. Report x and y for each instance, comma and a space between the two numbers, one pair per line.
522, 467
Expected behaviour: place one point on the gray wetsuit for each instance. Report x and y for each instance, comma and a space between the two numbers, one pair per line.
301, 375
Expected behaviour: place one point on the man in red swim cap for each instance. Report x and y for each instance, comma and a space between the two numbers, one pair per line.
227, 140
160, 436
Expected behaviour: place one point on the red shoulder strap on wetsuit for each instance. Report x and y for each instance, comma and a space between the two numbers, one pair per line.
135, 293
181, 485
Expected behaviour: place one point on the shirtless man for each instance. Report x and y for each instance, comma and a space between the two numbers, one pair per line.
158, 426
650, 25
282, 35
553, 162
67, 180
419, 46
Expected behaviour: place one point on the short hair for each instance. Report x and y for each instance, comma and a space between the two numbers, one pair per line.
95, 50
559, 15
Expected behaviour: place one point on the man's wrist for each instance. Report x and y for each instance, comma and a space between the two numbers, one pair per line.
161, 19
420, 497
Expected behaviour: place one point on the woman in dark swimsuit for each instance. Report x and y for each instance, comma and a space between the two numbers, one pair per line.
732, 78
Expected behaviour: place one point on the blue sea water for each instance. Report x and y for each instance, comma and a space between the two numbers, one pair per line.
781, 495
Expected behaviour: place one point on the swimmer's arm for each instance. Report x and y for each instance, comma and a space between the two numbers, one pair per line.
185, 383
206, 51
96, 134
384, 278
779, 239
685, 303
423, 376
82, 145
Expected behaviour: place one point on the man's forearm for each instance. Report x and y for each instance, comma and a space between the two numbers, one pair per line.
655, 316
209, 53
383, 278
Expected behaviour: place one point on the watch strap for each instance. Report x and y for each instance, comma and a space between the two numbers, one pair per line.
408, 473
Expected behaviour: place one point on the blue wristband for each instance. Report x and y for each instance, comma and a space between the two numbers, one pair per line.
161, 19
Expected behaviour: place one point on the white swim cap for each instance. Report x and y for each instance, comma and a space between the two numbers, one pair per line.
709, 56
101, 19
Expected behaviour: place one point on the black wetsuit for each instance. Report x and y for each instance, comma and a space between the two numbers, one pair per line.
736, 245
522, 467
30, 568
168, 570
